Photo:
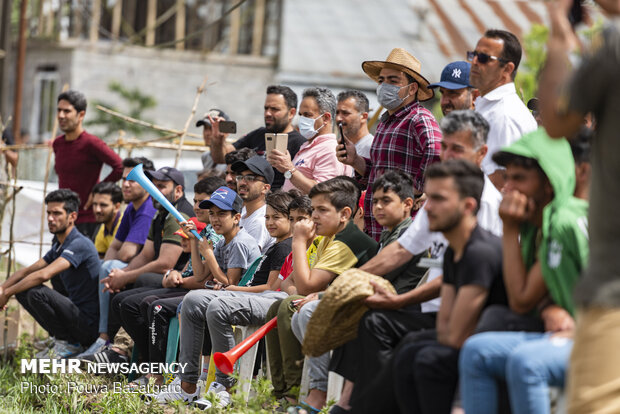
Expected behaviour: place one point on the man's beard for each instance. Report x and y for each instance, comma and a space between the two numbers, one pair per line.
169, 197
279, 125
451, 222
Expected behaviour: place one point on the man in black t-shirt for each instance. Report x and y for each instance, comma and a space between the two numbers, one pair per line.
72, 319
280, 109
425, 365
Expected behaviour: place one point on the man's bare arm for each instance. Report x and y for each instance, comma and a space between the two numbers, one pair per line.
391, 257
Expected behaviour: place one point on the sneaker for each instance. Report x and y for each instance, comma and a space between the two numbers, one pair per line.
97, 346
202, 404
107, 356
44, 344
219, 390
174, 392
63, 349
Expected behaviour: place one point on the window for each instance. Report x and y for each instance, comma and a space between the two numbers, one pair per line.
46, 82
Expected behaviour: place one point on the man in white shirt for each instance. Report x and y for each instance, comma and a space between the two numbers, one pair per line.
352, 113
254, 178
494, 65
464, 137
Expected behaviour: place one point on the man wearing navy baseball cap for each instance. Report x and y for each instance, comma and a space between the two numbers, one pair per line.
456, 92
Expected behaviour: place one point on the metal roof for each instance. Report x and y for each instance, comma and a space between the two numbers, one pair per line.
325, 42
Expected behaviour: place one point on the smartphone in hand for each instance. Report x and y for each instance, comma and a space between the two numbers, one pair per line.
341, 135
228, 127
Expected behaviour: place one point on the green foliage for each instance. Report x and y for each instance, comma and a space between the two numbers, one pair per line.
134, 101
534, 58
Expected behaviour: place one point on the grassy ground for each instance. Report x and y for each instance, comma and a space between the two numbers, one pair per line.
86, 393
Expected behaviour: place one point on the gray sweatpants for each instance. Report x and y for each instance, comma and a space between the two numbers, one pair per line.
318, 367
219, 310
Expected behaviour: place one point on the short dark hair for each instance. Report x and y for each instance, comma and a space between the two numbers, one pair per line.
340, 192
290, 97
512, 47
71, 199
505, 158
580, 145
279, 201
468, 177
397, 181
361, 100
242, 154
301, 203
209, 184
106, 187
75, 98
131, 162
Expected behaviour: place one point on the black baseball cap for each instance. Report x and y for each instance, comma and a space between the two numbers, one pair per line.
167, 174
214, 112
256, 164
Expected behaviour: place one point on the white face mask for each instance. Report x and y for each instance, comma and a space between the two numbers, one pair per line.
306, 127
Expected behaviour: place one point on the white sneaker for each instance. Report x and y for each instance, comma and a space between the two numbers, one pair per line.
44, 344
219, 390
97, 346
174, 392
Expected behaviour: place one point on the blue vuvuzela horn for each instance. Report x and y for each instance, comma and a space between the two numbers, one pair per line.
137, 175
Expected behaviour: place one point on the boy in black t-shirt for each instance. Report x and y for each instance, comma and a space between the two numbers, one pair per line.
425, 366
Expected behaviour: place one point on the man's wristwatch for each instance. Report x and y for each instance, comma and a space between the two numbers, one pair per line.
288, 174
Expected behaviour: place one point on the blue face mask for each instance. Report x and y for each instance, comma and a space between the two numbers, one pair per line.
387, 95
306, 127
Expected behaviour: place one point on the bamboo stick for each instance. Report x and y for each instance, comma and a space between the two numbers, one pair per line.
189, 119
144, 123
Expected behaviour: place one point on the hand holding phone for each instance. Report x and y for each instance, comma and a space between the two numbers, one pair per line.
342, 141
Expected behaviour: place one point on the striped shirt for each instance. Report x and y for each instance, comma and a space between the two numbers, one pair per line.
410, 140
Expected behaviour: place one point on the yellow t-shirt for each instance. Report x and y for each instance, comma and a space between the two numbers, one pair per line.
103, 239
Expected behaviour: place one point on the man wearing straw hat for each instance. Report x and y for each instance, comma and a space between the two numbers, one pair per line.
407, 136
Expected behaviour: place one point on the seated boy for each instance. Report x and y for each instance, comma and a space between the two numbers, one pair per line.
343, 246
234, 305
539, 276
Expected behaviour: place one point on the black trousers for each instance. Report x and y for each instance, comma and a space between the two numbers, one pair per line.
379, 333
60, 317
147, 281
146, 316
426, 374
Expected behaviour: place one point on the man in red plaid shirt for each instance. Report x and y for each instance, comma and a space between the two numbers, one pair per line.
407, 136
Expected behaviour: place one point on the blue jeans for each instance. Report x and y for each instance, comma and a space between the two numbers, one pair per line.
104, 297
529, 363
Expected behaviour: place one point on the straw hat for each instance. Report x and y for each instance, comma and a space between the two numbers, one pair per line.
401, 60
334, 321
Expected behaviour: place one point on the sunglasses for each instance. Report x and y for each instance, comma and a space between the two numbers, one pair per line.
250, 178
483, 58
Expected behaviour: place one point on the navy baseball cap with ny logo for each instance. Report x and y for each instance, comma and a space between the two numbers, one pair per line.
454, 76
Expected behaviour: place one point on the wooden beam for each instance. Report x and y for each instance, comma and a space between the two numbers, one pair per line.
117, 12
179, 26
151, 17
235, 26
95, 21
259, 25
78, 22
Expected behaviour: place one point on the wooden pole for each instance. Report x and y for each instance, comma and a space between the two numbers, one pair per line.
48, 167
116, 19
179, 26
95, 21
144, 123
259, 24
151, 16
19, 69
189, 119
235, 26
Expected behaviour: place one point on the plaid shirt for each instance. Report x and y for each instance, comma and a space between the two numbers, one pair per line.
410, 140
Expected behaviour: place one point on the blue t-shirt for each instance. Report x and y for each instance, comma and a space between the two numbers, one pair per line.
81, 279
135, 224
